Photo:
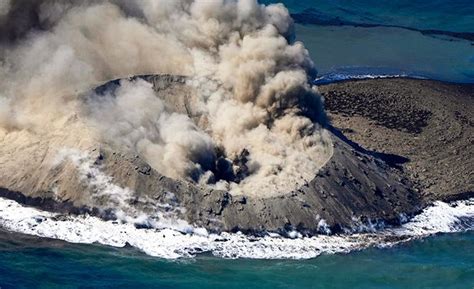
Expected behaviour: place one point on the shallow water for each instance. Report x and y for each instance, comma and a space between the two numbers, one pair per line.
430, 39
444, 261
444, 15
387, 51
352, 38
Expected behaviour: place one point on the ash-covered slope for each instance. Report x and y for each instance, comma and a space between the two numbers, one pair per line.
83, 171
237, 145
429, 123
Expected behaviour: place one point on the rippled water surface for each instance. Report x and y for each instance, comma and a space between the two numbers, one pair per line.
444, 261
431, 39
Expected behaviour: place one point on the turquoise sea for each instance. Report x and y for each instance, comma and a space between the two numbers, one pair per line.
429, 39
443, 261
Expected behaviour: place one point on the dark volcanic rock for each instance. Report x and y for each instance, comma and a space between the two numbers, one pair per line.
354, 187
428, 123
385, 109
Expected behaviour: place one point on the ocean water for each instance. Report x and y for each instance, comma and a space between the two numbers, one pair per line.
347, 39
435, 249
443, 261
428, 39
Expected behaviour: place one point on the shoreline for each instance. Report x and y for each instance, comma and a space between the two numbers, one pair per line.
42, 228
369, 76
373, 143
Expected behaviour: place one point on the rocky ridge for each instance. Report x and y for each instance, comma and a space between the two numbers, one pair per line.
358, 189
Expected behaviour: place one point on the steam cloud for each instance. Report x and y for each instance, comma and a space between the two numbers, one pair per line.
257, 128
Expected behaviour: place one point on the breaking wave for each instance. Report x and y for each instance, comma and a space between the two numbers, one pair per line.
167, 241
359, 73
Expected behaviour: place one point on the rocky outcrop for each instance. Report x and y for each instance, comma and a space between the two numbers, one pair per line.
353, 190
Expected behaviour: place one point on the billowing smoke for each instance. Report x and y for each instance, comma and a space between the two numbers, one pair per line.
257, 122
137, 120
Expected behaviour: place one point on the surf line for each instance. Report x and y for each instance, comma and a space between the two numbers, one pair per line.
171, 243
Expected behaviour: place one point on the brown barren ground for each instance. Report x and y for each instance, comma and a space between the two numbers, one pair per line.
429, 123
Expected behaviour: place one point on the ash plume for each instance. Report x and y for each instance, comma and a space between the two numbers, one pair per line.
259, 123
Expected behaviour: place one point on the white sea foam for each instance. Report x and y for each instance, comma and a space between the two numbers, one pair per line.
169, 243
336, 77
